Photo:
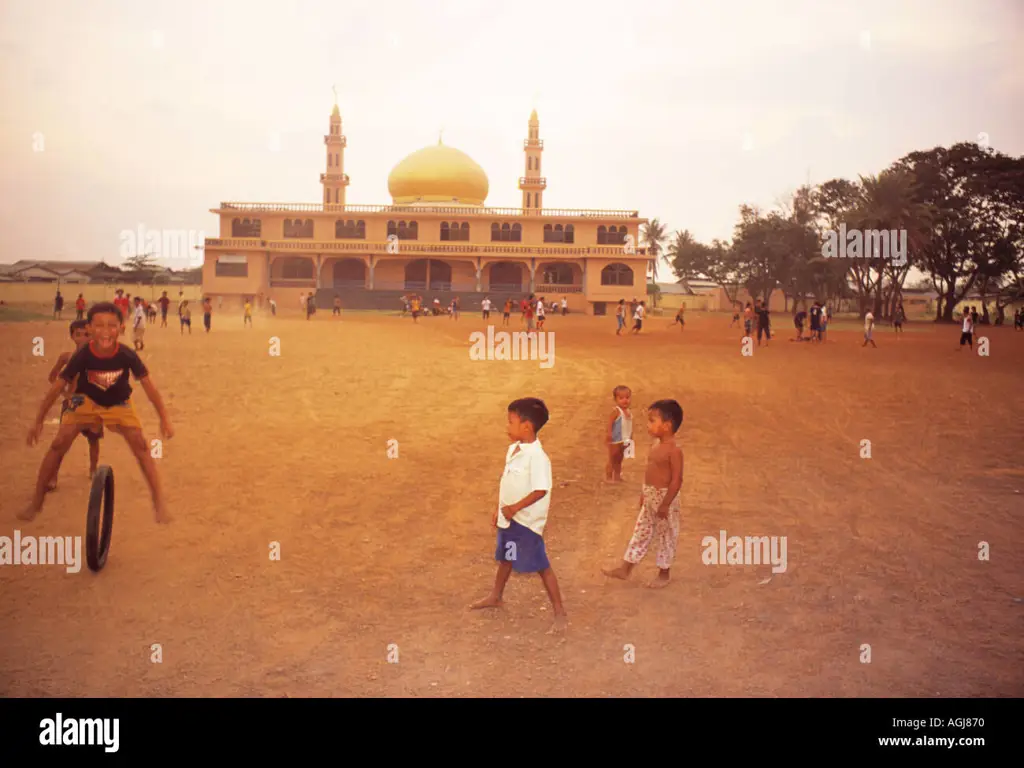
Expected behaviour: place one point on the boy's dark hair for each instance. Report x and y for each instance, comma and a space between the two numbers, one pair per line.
669, 410
622, 301
615, 392
75, 325
105, 308
530, 409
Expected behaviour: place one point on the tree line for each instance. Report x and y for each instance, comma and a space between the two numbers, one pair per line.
961, 207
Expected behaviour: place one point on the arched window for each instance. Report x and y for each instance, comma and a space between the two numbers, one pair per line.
602, 235
330, 159
336, 196
553, 234
506, 233
570, 234
617, 274
404, 230
454, 232
246, 228
298, 228
349, 230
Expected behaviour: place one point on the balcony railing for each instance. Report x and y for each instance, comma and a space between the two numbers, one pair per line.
344, 140
421, 210
342, 177
536, 181
412, 247
556, 288
539, 143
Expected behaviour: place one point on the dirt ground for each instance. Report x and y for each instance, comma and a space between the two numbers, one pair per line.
380, 553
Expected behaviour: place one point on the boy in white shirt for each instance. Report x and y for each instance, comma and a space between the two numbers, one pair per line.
524, 497
869, 326
638, 317
139, 324
540, 314
967, 331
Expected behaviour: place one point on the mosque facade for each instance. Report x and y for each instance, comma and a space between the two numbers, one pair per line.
436, 238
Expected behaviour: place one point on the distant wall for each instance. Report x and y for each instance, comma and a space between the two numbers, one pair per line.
675, 300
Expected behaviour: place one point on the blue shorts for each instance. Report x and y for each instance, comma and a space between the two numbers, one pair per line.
523, 547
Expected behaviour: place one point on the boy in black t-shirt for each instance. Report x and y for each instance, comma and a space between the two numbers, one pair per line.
798, 321
80, 335
764, 323
815, 315
102, 397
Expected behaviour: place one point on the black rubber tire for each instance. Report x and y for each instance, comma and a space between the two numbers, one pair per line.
101, 506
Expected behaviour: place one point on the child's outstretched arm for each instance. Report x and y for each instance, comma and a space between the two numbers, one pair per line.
158, 402
59, 366
55, 391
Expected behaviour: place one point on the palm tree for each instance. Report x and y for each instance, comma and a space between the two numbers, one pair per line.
654, 236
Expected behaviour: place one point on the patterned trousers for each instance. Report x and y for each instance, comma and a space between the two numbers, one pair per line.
649, 526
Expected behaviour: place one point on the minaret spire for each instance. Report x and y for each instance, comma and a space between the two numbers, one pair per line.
335, 180
533, 184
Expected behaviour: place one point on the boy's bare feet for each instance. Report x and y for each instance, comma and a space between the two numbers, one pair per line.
660, 581
621, 572
560, 625
29, 512
488, 602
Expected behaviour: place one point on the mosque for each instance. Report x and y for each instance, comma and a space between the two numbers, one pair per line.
437, 238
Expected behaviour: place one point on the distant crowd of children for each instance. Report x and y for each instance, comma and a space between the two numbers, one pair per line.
533, 310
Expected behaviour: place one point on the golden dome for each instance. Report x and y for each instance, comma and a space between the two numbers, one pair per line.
438, 174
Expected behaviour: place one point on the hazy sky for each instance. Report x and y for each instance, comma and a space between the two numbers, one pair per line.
153, 112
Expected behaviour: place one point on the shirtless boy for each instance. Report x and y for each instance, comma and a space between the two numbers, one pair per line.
659, 499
